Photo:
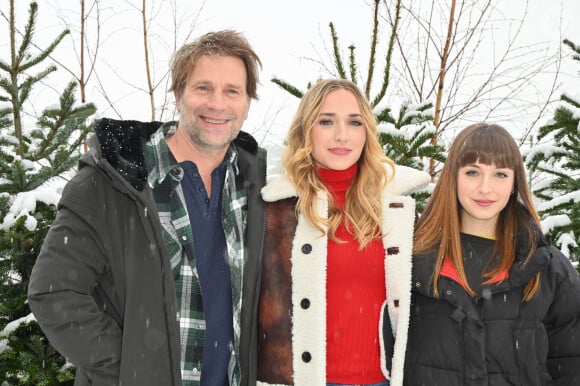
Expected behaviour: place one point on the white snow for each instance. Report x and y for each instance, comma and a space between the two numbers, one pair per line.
24, 204
572, 196
11, 327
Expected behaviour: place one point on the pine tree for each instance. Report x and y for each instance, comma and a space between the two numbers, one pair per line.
407, 139
559, 162
35, 149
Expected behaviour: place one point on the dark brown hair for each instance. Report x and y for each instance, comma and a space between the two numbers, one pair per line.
438, 228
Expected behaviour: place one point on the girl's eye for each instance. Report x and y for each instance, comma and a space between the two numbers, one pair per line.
356, 123
501, 175
471, 172
325, 122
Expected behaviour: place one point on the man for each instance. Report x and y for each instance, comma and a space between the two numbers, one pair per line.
149, 274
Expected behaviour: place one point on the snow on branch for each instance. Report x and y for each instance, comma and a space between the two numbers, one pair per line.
24, 204
572, 196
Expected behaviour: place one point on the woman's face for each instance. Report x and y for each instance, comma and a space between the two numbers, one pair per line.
339, 134
483, 191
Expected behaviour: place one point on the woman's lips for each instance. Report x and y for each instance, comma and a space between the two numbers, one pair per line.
339, 150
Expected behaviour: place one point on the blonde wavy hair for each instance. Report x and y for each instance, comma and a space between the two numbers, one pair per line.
362, 208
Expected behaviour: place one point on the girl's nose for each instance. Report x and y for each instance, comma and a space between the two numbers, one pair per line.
485, 185
340, 133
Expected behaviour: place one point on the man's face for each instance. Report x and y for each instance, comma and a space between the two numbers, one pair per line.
214, 103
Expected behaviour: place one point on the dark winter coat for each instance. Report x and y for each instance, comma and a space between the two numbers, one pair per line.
496, 338
102, 288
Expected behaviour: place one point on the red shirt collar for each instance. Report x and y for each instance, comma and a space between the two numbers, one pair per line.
449, 271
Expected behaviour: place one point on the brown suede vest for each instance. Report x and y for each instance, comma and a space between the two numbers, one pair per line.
275, 305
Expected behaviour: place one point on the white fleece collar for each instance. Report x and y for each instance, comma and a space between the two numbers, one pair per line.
406, 180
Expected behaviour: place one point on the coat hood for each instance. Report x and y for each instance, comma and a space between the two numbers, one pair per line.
121, 143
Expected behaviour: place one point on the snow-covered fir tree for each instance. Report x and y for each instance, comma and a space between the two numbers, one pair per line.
557, 159
36, 149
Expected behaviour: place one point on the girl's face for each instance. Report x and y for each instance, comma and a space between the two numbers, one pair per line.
483, 191
339, 134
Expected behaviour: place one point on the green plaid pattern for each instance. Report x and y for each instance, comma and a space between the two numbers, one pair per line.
165, 179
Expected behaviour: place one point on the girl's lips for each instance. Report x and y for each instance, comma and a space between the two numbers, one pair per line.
484, 202
339, 150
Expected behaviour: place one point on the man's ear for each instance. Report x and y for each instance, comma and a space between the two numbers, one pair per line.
177, 97
248, 108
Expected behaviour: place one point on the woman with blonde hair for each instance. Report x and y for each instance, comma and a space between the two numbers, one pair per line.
493, 302
339, 228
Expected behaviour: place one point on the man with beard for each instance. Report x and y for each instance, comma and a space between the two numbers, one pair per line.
149, 274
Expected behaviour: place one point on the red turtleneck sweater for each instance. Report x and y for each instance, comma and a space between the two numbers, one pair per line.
355, 292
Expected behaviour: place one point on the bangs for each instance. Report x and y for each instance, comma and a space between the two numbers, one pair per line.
488, 147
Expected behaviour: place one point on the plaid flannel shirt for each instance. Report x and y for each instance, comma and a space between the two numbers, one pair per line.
164, 177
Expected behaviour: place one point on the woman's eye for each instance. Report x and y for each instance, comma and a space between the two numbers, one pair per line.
356, 123
325, 122
471, 173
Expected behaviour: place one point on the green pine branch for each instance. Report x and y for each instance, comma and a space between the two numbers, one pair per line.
560, 166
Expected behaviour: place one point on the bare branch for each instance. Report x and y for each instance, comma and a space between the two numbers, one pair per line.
389, 55
374, 37
477, 73
443, 69
147, 66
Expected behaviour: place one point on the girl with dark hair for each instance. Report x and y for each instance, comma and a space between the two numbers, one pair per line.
493, 303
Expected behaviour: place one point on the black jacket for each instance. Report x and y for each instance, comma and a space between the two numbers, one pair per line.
102, 288
496, 338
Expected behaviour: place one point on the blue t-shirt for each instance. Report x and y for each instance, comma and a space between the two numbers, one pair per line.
213, 270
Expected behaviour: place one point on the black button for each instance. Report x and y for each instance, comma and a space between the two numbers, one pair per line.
306, 248
393, 251
306, 357
177, 172
206, 200
305, 303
